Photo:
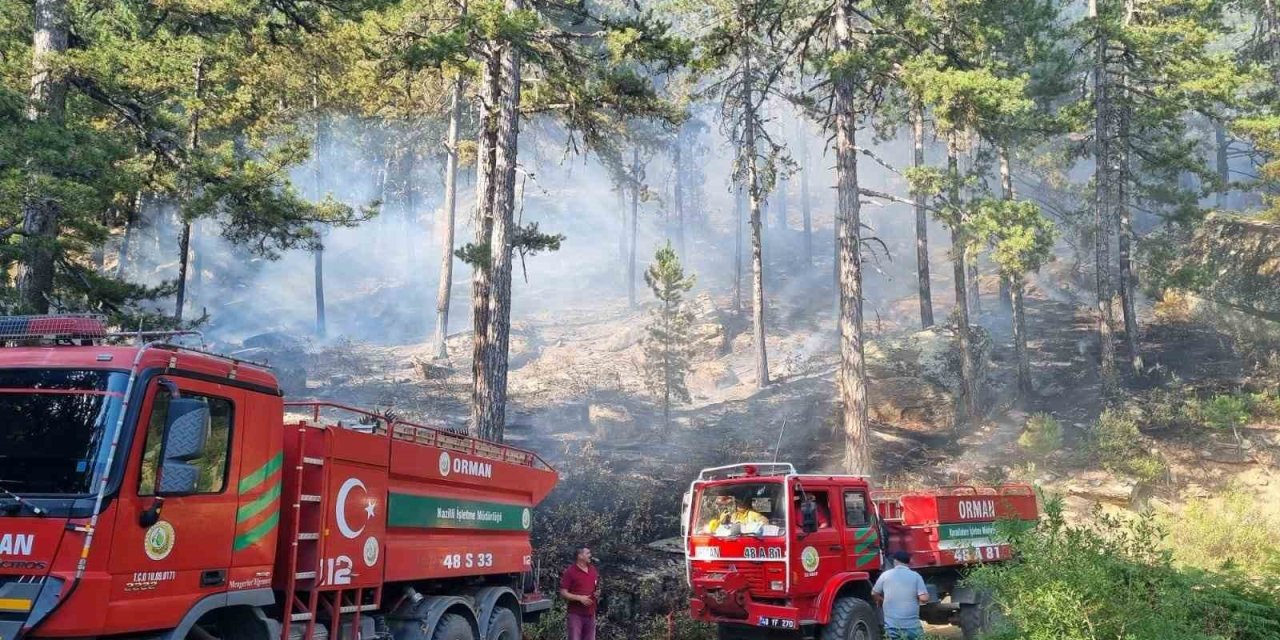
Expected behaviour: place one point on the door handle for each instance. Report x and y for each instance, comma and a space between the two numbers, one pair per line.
213, 578
835, 547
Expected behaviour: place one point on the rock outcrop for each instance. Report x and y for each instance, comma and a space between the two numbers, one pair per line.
915, 378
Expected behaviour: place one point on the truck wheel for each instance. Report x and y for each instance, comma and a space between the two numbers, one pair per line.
979, 617
503, 625
453, 627
852, 619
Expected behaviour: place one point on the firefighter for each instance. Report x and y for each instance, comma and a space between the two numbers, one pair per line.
730, 512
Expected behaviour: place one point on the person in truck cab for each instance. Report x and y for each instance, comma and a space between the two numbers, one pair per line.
731, 512
900, 592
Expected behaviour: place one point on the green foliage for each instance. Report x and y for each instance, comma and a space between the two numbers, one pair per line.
1112, 579
1117, 443
1228, 532
1042, 435
1226, 412
1021, 237
667, 343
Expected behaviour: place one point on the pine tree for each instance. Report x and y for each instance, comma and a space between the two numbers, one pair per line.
1021, 241
668, 338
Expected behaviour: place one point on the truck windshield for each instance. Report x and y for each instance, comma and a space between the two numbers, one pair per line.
53, 428
741, 509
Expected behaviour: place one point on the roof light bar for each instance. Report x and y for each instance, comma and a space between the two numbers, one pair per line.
53, 327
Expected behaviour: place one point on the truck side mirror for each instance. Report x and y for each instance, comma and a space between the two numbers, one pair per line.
185, 431
685, 503
809, 516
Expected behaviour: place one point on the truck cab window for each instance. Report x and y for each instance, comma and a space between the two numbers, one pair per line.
820, 500
213, 462
855, 510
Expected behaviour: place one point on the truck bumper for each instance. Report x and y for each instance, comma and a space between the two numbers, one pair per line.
754, 614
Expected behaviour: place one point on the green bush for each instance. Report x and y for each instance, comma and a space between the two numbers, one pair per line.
1229, 531
1118, 445
1264, 404
1111, 579
1227, 413
1042, 436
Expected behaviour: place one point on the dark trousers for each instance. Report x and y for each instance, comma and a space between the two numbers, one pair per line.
581, 627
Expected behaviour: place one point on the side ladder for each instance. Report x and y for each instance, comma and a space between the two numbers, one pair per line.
302, 596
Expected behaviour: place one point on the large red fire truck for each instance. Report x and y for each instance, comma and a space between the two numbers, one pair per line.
771, 552
160, 491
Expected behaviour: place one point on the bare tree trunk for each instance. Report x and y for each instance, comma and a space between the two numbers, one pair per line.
1103, 206
677, 195
1020, 337
1006, 187
622, 227
184, 241
753, 193
635, 221
805, 214
317, 194
740, 206
852, 381
481, 268
489, 399
450, 213
959, 242
922, 220
1222, 146
1125, 228
40, 212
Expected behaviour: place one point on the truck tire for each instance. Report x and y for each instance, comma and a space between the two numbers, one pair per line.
453, 627
503, 625
980, 617
852, 619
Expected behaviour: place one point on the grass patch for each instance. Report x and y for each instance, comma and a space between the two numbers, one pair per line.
1226, 532
1042, 435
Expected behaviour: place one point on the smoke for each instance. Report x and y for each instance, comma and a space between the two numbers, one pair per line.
380, 278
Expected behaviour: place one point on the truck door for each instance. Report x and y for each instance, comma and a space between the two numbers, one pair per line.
815, 556
860, 531
173, 547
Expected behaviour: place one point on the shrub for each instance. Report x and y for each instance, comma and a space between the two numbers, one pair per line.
1042, 436
1229, 531
1110, 579
1117, 443
1227, 412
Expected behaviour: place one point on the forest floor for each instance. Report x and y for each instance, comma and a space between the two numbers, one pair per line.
577, 389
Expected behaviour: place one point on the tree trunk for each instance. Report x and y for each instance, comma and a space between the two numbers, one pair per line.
450, 213
1020, 337
805, 215
622, 228
740, 207
317, 194
48, 104
184, 241
1006, 188
635, 221
754, 195
1124, 221
408, 198
922, 220
1222, 146
489, 399
959, 242
481, 267
852, 382
1103, 205
677, 195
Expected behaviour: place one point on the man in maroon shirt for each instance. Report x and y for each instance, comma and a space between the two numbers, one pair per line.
580, 586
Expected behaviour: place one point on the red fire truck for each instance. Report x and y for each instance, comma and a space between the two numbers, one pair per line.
160, 491
771, 552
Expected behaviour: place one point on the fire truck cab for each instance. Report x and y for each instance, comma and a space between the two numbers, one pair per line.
771, 552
